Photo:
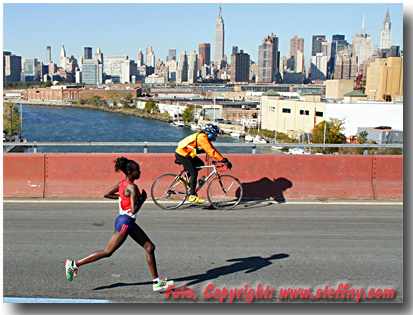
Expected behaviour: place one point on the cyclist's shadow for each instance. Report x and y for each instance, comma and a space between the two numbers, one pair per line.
249, 264
266, 188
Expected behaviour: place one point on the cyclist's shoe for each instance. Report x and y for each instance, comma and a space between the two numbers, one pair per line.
70, 270
196, 199
162, 284
183, 181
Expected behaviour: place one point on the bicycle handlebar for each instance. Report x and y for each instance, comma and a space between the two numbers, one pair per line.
221, 166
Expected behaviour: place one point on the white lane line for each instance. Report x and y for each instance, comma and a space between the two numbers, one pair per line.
287, 202
50, 300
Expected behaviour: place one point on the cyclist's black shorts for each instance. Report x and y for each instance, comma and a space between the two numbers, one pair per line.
189, 163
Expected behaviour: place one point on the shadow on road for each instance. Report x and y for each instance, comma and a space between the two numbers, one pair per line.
266, 188
247, 264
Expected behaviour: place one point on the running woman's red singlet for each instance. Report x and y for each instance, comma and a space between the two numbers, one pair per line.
124, 202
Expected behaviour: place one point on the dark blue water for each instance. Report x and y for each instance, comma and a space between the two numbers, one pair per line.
57, 124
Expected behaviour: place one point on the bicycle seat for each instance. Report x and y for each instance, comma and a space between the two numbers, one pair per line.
177, 162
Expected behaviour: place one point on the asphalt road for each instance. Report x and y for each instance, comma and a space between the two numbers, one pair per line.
317, 245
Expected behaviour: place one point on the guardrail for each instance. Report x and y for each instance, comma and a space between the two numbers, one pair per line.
145, 145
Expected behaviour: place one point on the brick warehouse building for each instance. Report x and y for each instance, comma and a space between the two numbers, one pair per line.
45, 94
67, 93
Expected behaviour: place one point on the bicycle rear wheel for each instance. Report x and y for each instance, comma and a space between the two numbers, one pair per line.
168, 192
224, 193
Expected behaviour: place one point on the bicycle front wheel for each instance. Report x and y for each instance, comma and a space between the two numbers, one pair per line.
224, 193
168, 191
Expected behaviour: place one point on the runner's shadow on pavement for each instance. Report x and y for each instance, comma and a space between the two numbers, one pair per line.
247, 264
266, 188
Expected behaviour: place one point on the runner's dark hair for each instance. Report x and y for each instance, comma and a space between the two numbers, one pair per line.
123, 164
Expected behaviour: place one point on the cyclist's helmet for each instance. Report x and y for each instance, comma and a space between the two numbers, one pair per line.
211, 130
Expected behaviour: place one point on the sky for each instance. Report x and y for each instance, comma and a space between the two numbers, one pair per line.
125, 28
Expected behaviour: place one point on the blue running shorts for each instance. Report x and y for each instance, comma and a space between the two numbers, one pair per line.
124, 224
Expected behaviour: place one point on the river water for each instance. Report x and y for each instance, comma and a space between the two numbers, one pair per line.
66, 124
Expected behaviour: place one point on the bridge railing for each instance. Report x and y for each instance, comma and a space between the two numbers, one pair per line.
9, 146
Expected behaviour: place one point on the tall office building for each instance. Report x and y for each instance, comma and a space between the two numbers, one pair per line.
357, 39
192, 67
268, 59
48, 54
385, 41
219, 40
317, 44
240, 67
140, 59
345, 67
171, 54
63, 57
148, 50
150, 57
365, 50
118, 68
182, 70
319, 67
299, 62
385, 77
92, 72
12, 67
87, 53
338, 43
99, 55
295, 45
204, 57
32, 70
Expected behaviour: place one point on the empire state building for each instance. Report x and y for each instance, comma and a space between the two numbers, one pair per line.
219, 40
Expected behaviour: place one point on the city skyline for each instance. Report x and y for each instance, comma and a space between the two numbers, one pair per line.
184, 26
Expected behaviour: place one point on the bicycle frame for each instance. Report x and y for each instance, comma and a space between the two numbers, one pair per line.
223, 191
214, 172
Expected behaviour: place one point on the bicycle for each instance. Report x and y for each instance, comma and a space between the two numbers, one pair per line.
224, 192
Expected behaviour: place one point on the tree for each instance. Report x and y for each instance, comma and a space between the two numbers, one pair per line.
361, 139
95, 100
124, 96
332, 130
118, 96
111, 96
188, 114
150, 105
12, 123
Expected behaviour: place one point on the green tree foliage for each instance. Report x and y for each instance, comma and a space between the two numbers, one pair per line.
361, 138
188, 114
47, 84
151, 106
12, 123
92, 99
333, 133
118, 96
124, 96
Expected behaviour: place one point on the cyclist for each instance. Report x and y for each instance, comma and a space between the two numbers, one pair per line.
190, 146
130, 201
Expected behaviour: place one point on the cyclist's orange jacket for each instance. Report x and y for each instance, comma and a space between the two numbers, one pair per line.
187, 146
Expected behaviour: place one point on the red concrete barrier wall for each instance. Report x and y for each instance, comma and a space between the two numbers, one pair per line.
91, 175
23, 175
305, 176
277, 177
387, 177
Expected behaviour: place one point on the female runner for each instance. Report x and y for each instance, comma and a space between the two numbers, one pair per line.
130, 201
